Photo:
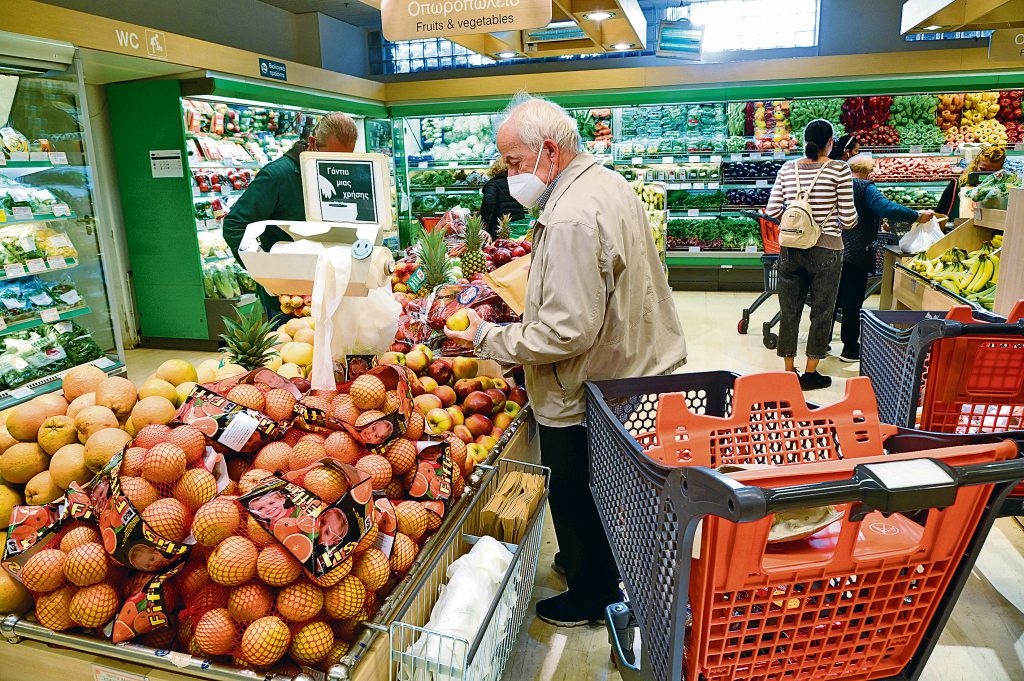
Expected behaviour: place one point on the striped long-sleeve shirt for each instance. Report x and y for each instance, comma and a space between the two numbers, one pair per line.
831, 198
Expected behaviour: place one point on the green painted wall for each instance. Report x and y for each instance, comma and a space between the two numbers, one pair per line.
158, 215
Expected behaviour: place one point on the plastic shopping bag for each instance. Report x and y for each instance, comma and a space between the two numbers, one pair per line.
347, 324
921, 237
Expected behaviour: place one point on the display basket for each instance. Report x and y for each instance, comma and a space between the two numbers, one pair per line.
863, 598
483, 658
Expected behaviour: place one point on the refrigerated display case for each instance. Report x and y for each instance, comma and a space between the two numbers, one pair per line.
186, 150
55, 302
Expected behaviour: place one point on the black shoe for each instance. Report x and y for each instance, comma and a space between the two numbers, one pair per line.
556, 566
812, 380
850, 355
563, 610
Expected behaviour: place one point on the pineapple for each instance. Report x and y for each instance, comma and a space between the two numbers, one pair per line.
473, 259
504, 226
437, 267
250, 340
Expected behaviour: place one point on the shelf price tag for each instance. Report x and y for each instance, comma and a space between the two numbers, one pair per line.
439, 190
1019, 146
916, 149
735, 157
104, 362
3, 325
756, 156
58, 158
3, 160
713, 185
49, 316
39, 156
61, 209
685, 185
453, 164
946, 148
22, 213
779, 154
761, 183
422, 164
716, 159
19, 156
222, 254
56, 263
694, 159
667, 160
698, 185
750, 249
637, 160
22, 392
14, 270
36, 265
692, 212
693, 249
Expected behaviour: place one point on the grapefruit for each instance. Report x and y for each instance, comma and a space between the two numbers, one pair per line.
412, 519
345, 599
103, 445
154, 409
326, 482
41, 489
342, 446
9, 498
401, 454
81, 380
297, 353
152, 435
215, 632
311, 643
93, 419
23, 461
52, 609
190, 440
168, 518
157, 387
372, 568
249, 602
68, 466
403, 553
14, 598
368, 392
248, 396
44, 570
25, 420
6, 440
343, 409
277, 567
279, 404
78, 536
80, 403
176, 371
378, 468
117, 394
56, 432
273, 457
306, 452
195, 487
252, 480
233, 561
164, 463
139, 492
131, 462
86, 565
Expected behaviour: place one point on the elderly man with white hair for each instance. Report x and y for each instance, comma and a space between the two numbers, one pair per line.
598, 306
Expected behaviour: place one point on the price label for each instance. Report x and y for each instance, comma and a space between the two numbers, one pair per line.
221, 254
56, 263
422, 164
108, 674
916, 149
1019, 146
14, 270
22, 213
637, 160
3, 325
453, 164
761, 183
946, 149
213, 224
104, 363
750, 249
693, 249
756, 156
685, 185
695, 159
716, 159
3, 159
39, 156
416, 280
21, 393
692, 212
713, 185
439, 190
674, 186
19, 155
698, 185
36, 265
667, 160
61, 209
49, 316
58, 158
779, 154
195, 190
726, 267
735, 157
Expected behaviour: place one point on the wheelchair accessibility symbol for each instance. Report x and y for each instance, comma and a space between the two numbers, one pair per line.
884, 528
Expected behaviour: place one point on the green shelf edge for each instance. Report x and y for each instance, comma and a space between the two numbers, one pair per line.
38, 321
271, 95
41, 217
53, 383
72, 263
747, 260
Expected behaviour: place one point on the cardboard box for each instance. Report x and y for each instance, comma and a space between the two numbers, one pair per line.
992, 218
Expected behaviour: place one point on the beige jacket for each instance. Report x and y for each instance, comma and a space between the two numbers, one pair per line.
598, 304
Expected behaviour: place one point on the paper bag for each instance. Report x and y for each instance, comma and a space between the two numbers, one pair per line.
509, 282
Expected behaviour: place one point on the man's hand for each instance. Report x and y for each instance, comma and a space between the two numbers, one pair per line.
925, 215
466, 337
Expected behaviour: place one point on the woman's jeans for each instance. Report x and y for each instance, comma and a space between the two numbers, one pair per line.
810, 275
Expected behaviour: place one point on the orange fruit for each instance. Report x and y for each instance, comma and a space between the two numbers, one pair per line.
44, 570
412, 519
86, 565
265, 641
76, 536
208, 598
368, 392
372, 568
343, 409
168, 518
249, 602
233, 561
248, 396
255, 532
190, 440
93, 606
414, 429
215, 632
53, 609
335, 574
345, 599
401, 454
164, 463
300, 602
378, 468
252, 480
334, 655
139, 492
195, 487
311, 643
368, 540
403, 553
326, 482
279, 404
152, 435
433, 518
131, 463
321, 402
305, 452
390, 405
193, 580
342, 446
215, 521
277, 567
274, 456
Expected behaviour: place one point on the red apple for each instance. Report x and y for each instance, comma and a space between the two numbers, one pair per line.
417, 361
503, 420
426, 403
478, 402
439, 421
479, 424
518, 395
463, 433
416, 388
429, 384
487, 442
441, 371
458, 418
465, 367
446, 394
399, 346
465, 386
496, 433
499, 399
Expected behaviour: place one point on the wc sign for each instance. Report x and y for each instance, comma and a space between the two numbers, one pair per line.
153, 42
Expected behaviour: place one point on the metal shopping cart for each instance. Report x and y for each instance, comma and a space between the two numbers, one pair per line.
864, 598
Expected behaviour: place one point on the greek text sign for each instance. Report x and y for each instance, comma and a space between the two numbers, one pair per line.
415, 19
1008, 44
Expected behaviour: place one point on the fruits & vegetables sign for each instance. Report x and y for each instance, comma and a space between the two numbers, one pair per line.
416, 19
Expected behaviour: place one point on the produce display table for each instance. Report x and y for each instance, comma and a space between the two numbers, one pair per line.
33, 652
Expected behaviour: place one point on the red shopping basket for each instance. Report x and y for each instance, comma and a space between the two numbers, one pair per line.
769, 233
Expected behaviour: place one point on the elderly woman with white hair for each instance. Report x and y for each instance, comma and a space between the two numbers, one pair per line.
871, 207
598, 306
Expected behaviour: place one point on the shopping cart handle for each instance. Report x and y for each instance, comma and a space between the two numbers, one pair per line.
897, 486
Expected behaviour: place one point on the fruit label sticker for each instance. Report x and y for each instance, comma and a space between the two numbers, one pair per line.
417, 280
32, 527
320, 535
125, 535
238, 431
215, 416
146, 610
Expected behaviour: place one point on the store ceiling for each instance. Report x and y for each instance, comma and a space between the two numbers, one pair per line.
355, 12
932, 16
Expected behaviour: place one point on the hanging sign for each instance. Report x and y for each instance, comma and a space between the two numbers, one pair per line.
416, 19
1007, 44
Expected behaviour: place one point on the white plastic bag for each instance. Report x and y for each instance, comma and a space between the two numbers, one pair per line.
347, 325
921, 237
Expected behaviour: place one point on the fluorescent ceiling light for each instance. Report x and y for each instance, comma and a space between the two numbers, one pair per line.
930, 28
560, 24
622, 46
507, 55
598, 16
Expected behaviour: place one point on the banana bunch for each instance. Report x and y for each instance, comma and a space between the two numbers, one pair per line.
652, 195
971, 275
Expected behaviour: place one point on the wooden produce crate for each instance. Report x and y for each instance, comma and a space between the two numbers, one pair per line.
1010, 288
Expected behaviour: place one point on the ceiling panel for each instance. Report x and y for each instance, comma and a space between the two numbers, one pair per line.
354, 12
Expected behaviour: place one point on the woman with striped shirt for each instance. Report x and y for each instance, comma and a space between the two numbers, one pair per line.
812, 274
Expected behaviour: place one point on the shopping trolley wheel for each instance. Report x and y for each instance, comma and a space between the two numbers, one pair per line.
771, 341
743, 325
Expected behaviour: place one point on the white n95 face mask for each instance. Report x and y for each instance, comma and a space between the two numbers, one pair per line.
527, 188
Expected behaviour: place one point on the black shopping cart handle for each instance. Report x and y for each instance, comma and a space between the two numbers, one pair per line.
759, 216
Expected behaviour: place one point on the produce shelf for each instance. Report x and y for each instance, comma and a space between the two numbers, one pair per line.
197, 165
38, 321
7, 219
48, 384
713, 157
915, 183
466, 165
713, 259
709, 212
36, 267
442, 190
